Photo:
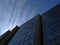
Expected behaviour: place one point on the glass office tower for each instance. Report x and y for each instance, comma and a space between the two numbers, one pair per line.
51, 26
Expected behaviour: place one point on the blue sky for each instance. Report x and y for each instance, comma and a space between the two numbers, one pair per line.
17, 12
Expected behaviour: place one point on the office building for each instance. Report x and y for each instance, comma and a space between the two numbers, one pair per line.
51, 26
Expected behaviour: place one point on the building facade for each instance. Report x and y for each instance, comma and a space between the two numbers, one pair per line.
51, 26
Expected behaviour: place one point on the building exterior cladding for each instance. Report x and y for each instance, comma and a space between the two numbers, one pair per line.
28, 33
51, 26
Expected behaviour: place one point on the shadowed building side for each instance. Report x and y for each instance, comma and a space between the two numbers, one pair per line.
38, 39
4, 35
51, 26
9, 36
